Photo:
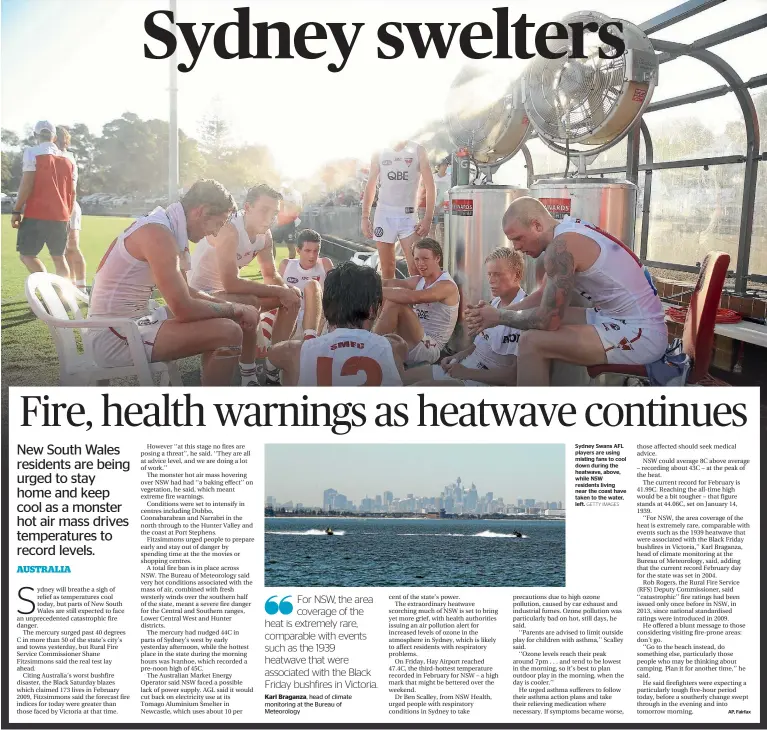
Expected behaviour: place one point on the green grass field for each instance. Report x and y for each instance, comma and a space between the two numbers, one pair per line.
28, 354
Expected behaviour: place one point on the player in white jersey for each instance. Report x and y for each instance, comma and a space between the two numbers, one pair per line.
307, 273
72, 253
626, 324
154, 252
218, 260
492, 358
422, 309
398, 171
349, 354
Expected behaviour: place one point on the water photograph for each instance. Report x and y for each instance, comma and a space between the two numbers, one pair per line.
344, 515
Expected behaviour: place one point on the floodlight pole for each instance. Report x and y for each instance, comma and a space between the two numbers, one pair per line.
173, 120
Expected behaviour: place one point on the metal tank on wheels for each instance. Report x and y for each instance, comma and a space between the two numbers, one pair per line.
474, 229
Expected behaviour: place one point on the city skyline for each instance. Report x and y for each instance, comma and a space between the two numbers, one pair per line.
509, 471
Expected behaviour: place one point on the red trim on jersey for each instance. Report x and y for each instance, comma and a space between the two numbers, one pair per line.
105, 256
614, 240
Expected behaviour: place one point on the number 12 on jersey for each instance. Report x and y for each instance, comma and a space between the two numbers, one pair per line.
352, 366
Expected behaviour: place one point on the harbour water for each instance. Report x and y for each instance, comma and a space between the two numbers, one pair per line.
413, 552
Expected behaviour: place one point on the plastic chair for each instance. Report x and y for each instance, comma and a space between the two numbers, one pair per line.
56, 301
698, 335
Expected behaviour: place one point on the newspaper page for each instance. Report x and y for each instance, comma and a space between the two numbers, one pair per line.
209, 558
382, 364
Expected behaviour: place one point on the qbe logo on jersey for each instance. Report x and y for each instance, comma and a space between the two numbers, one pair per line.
462, 207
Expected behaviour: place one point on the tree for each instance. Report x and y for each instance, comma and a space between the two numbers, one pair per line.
11, 161
214, 132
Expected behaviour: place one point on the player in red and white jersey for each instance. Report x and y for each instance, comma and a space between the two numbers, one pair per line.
72, 253
307, 273
153, 252
626, 324
422, 309
218, 260
45, 201
350, 354
398, 171
288, 220
492, 358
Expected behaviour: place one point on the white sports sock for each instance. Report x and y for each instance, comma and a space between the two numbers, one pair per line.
248, 373
269, 367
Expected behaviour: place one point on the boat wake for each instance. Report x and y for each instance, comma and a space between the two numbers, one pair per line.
486, 533
305, 532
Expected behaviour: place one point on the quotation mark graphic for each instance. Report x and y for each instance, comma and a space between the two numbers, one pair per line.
284, 607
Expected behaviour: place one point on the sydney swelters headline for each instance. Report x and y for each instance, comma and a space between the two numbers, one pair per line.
341, 418
499, 37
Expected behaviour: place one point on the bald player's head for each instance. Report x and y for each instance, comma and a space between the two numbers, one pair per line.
529, 226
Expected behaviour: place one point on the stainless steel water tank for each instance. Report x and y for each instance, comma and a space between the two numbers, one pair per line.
473, 230
608, 204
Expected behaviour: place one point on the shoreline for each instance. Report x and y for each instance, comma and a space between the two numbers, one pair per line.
415, 517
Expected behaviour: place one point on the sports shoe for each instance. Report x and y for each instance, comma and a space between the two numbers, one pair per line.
272, 377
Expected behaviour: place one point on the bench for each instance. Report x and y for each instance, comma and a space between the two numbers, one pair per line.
751, 332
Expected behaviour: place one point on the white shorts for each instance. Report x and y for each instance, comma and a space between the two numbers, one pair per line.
75, 220
426, 351
110, 346
472, 362
629, 344
393, 224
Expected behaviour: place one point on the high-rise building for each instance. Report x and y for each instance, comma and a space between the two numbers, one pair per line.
327, 499
340, 502
388, 498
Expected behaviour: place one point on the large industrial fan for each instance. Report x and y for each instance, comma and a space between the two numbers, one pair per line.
485, 116
582, 107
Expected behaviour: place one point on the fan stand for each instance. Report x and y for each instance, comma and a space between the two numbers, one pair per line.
585, 157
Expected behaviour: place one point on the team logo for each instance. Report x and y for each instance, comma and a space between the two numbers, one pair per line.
386, 162
316, 278
624, 344
378, 232
408, 161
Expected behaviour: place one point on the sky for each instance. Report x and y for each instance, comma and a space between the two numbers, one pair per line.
511, 471
83, 61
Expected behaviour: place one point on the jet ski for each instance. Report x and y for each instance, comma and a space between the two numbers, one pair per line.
516, 533
329, 531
